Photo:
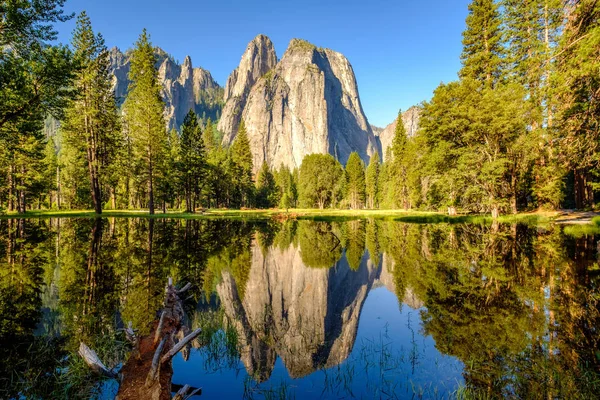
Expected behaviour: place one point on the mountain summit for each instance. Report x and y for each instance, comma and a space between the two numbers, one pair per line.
306, 103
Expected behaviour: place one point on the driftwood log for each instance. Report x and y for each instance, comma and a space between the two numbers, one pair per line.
148, 372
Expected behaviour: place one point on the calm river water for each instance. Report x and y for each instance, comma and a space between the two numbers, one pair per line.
307, 309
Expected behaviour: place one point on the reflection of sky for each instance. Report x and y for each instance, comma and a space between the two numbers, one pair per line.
390, 355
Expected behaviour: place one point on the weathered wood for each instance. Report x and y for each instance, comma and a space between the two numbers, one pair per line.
181, 394
93, 361
148, 376
187, 287
171, 353
130, 334
160, 327
155, 364
196, 392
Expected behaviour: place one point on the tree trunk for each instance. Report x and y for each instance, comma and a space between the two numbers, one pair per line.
11, 187
495, 211
94, 181
583, 190
58, 193
513, 191
188, 199
22, 203
113, 197
150, 190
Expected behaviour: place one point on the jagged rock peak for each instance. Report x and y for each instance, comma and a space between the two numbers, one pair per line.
257, 60
307, 104
183, 86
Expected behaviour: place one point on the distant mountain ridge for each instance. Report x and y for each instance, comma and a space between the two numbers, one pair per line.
306, 102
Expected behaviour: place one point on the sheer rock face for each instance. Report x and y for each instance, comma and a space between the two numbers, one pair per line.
308, 103
307, 316
411, 118
183, 87
258, 59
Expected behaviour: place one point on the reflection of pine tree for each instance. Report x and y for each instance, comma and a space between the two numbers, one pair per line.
354, 242
320, 246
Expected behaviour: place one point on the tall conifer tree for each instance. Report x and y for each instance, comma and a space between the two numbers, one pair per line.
91, 125
482, 43
241, 158
372, 181
355, 181
579, 92
143, 110
192, 160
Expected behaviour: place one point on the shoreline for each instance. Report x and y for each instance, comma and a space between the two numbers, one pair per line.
566, 217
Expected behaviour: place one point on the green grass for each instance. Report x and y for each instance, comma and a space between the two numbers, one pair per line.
419, 217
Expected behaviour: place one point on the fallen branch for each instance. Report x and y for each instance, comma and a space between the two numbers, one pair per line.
182, 393
93, 361
155, 365
169, 355
185, 288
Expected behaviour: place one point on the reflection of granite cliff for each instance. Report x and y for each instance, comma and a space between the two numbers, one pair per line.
309, 317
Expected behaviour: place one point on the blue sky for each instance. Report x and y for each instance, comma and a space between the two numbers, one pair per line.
400, 50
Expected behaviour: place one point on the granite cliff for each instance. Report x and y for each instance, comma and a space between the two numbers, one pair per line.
307, 103
410, 118
183, 86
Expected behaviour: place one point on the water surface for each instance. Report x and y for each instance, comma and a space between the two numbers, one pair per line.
306, 309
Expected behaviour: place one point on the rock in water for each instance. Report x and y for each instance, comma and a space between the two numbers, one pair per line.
411, 118
183, 87
308, 103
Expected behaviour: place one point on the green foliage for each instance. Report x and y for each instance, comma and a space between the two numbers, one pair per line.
372, 187
287, 183
578, 90
473, 136
144, 118
355, 181
267, 192
320, 246
319, 182
482, 43
192, 160
39, 72
91, 128
241, 166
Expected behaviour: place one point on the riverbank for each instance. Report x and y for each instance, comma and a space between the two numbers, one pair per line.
563, 217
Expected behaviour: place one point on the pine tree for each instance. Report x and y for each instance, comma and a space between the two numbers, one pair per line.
39, 71
143, 111
91, 124
267, 195
399, 167
355, 181
372, 181
208, 136
532, 31
579, 94
319, 181
287, 185
193, 160
483, 50
241, 158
